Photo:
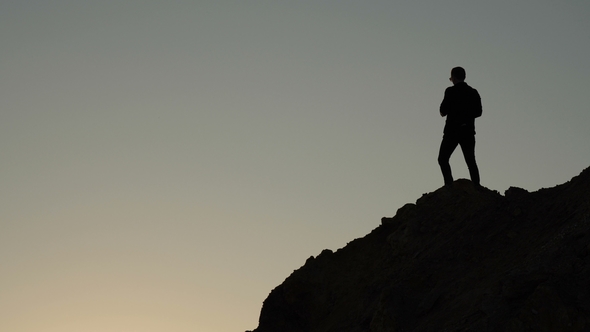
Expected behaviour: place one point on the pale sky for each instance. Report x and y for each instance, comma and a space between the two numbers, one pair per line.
166, 164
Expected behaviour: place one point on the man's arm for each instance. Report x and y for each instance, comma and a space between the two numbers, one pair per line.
444, 106
477, 108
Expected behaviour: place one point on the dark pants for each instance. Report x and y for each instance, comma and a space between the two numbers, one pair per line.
448, 145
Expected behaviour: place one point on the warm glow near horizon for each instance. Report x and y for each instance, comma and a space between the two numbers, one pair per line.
166, 164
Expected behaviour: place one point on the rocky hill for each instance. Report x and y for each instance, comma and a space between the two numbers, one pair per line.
457, 260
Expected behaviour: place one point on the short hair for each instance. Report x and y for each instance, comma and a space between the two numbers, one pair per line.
458, 73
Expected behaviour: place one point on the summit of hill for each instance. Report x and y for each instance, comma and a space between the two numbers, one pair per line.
459, 259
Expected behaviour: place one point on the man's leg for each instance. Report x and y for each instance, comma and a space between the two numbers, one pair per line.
468, 148
447, 146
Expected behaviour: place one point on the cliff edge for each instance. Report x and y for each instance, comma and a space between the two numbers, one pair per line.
457, 260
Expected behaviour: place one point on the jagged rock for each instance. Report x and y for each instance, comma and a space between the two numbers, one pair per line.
459, 259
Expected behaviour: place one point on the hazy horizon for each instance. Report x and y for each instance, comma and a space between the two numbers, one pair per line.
165, 165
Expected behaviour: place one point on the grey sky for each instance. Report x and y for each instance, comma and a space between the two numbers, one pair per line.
165, 164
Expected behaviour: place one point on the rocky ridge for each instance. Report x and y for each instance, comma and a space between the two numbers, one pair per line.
458, 260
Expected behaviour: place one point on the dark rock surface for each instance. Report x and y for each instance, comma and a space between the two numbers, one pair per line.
457, 260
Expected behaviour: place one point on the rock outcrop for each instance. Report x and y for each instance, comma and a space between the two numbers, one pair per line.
459, 259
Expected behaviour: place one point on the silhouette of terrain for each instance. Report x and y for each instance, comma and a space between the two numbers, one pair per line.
457, 260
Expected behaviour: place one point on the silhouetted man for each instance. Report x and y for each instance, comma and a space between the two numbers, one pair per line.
461, 105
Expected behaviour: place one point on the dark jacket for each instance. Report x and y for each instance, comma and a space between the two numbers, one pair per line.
461, 105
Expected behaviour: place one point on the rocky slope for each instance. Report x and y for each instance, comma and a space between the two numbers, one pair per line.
457, 260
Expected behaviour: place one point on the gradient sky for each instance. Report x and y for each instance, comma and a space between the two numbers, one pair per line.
166, 164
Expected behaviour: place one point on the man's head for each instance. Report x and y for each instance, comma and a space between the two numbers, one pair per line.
457, 75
